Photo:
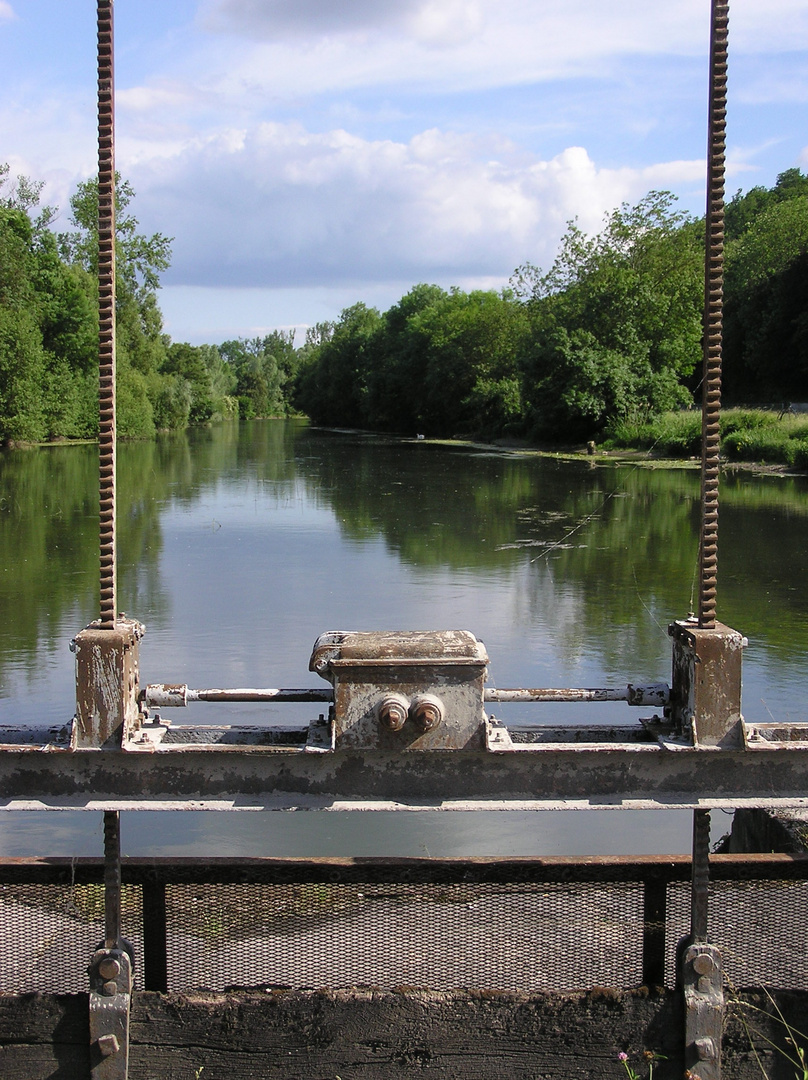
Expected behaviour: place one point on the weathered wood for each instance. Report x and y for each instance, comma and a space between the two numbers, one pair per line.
365, 1034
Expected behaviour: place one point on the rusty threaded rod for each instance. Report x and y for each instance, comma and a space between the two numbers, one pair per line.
106, 314
713, 314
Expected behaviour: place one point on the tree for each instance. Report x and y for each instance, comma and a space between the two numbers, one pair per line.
264, 370
766, 317
616, 321
333, 384
743, 209
145, 398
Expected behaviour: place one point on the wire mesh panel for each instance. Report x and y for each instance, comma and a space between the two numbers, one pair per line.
524, 936
444, 924
48, 934
758, 925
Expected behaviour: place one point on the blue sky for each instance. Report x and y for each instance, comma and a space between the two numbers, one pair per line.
306, 154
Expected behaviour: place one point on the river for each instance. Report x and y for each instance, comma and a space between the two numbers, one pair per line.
240, 544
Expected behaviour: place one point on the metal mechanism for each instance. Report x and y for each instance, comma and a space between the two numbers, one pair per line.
706, 705
713, 311
110, 972
701, 966
704, 1010
707, 660
404, 691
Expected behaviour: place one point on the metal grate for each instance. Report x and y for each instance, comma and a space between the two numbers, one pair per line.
49, 932
519, 936
483, 924
758, 925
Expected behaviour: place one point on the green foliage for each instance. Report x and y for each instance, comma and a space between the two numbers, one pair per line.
602, 343
672, 434
743, 209
746, 435
49, 328
616, 321
766, 318
436, 363
261, 372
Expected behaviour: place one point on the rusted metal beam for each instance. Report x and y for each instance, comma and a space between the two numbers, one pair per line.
642, 775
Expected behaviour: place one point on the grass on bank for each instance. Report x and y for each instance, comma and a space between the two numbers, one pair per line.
757, 435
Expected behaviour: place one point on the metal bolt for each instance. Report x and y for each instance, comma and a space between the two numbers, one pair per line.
705, 984
427, 713
704, 964
110, 989
705, 1048
108, 1045
393, 713
109, 968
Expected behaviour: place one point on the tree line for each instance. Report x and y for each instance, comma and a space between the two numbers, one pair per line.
49, 331
612, 331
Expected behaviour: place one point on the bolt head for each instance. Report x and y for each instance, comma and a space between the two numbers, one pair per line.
108, 1045
109, 989
427, 714
705, 1048
109, 968
704, 964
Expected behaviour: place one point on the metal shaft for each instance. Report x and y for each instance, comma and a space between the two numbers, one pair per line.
713, 313
112, 879
106, 313
700, 884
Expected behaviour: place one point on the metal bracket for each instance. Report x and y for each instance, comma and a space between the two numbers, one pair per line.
110, 997
702, 980
107, 672
706, 684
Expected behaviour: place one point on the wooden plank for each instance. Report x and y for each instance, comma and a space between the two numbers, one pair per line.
366, 1034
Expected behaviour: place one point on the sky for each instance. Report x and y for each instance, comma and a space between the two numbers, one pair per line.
308, 154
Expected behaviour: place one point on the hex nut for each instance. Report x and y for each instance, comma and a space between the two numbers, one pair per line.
427, 712
109, 989
393, 711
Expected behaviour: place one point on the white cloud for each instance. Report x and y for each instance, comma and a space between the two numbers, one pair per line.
279, 206
6, 11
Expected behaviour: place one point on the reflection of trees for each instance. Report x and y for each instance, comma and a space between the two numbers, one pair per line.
49, 521
612, 552
434, 505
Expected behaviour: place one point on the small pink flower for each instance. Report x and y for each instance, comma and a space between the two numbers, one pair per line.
622, 1056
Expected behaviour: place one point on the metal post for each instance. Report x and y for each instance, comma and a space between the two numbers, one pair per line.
155, 936
700, 881
701, 969
110, 972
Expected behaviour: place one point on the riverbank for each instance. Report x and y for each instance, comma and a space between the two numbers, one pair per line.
760, 437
